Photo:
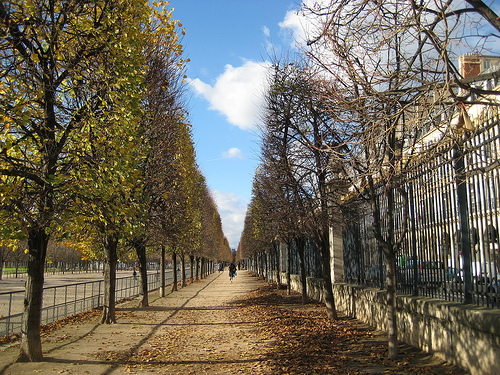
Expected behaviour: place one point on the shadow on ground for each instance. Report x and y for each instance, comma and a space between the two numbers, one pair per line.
307, 342
263, 332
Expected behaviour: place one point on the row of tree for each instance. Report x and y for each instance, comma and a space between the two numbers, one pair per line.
345, 123
57, 255
96, 148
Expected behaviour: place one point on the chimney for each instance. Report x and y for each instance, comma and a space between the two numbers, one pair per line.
470, 65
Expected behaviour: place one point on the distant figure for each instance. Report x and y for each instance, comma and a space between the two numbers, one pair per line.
232, 271
221, 267
239, 266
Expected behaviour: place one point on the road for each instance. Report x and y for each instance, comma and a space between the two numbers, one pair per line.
58, 279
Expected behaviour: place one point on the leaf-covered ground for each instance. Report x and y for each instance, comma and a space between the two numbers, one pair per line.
219, 327
307, 342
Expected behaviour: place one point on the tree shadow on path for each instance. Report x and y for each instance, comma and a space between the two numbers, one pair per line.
307, 342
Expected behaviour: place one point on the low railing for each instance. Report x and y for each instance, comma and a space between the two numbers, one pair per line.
16, 270
62, 301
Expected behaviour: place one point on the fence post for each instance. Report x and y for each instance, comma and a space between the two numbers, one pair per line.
7, 330
76, 299
99, 298
463, 212
65, 300
54, 317
162, 267
414, 269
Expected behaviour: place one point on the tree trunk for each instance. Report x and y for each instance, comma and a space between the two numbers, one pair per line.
331, 310
288, 273
110, 258
202, 267
390, 246
140, 249
258, 264
301, 244
197, 268
174, 272
278, 268
322, 231
191, 262
324, 250
266, 266
31, 344
183, 270
392, 328
162, 267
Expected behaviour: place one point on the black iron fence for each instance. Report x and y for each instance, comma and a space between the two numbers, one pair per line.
18, 269
62, 301
451, 249
312, 261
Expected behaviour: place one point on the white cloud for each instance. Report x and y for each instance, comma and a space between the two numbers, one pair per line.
293, 23
232, 153
266, 31
300, 27
238, 93
232, 210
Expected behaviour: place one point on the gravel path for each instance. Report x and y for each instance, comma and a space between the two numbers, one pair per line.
215, 326
191, 331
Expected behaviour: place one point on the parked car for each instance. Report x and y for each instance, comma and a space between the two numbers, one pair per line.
373, 272
454, 274
494, 287
482, 272
429, 273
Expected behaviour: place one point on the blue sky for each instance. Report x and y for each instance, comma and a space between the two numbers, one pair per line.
228, 42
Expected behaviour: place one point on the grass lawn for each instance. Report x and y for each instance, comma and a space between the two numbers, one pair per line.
13, 270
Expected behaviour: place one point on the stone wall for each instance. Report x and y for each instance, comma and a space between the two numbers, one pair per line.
465, 335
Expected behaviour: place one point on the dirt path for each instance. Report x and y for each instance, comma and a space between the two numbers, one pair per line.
218, 327
191, 331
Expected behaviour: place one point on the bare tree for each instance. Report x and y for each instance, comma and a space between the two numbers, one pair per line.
297, 137
276, 214
391, 76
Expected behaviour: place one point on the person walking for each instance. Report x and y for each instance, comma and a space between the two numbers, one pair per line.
232, 271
